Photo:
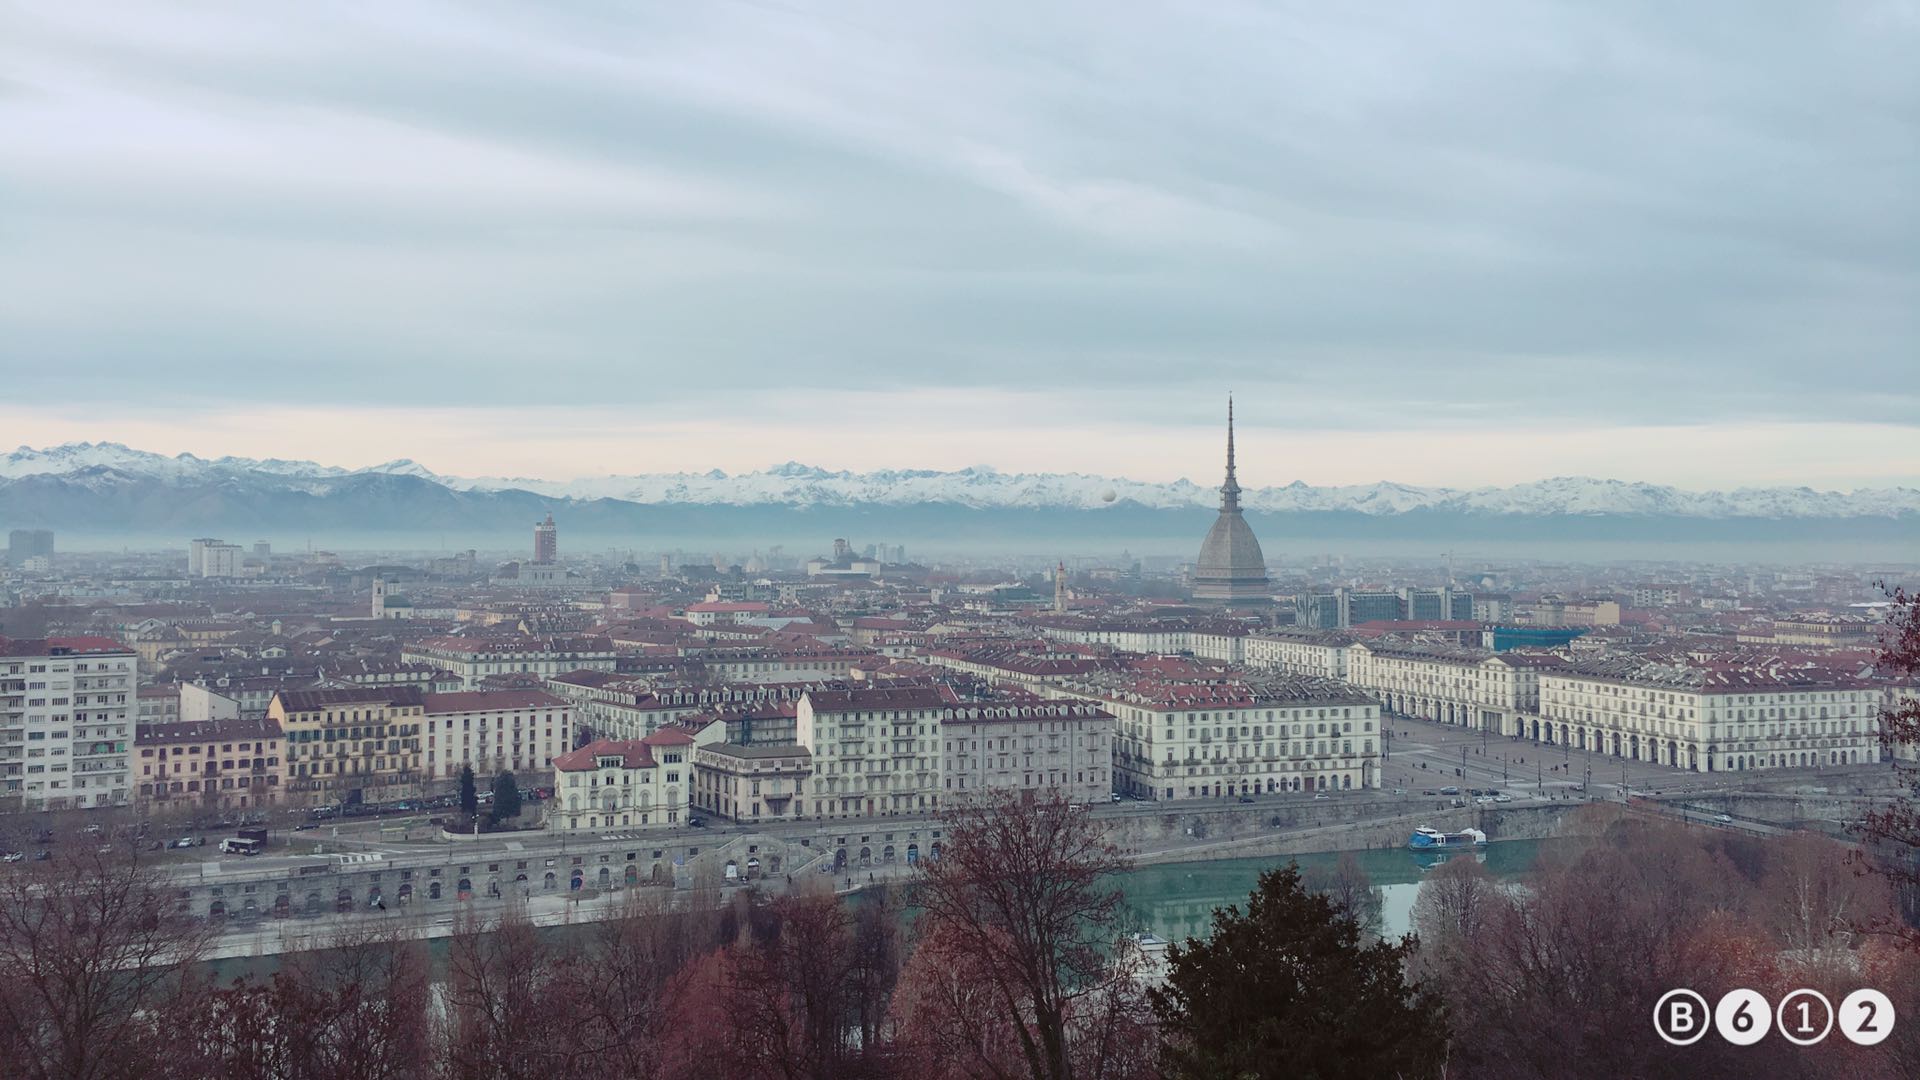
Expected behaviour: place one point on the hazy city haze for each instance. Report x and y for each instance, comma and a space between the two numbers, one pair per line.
1458, 245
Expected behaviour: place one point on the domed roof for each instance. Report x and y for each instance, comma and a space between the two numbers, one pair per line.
1231, 552
1231, 566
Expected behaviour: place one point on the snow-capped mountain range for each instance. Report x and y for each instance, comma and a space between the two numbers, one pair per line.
104, 467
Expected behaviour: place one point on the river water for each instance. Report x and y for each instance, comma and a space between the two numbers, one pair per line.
1174, 900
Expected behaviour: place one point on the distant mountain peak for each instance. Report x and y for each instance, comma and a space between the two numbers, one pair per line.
982, 487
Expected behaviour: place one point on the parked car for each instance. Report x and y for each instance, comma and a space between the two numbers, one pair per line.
1449, 790
1399, 791
1116, 796
1503, 797
304, 826
697, 822
12, 856
1429, 791
1246, 798
42, 855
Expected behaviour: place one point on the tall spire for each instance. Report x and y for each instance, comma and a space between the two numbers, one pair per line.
1230, 491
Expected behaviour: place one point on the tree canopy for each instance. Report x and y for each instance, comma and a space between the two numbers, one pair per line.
1292, 987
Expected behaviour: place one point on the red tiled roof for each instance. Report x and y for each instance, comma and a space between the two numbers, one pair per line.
309, 700
491, 701
46, 646
633, 755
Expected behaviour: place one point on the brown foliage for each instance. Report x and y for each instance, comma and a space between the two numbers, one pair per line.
1560, 976
91, 946
1021, 898
1891, 835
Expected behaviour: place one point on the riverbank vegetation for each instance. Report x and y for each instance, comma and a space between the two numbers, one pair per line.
1019, 963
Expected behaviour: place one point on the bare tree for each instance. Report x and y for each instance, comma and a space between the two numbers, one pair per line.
504, 991
793, 996
623, 982
1455, 906
1348, 885
1891, 835
1814, 902
91, 945
357, 1009
1022, 888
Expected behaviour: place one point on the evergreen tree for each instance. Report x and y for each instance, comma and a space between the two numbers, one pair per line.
1293, 987
469, 795
506, 797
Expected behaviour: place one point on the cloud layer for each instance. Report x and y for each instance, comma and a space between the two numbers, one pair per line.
1462, 223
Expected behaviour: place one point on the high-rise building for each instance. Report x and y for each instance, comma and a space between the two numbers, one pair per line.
24, 544
546, 541
218, 560
197, 555
67, 710
1329, 609
1231, 568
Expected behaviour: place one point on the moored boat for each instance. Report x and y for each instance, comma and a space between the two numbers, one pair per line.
1424, 839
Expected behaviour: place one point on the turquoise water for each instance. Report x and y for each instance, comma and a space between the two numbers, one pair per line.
1176, 900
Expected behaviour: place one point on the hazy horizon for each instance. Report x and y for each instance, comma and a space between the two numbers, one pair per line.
1469, 245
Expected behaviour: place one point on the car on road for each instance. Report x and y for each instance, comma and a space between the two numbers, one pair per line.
697, 822
1724, 819
1429, 791
304, 826
1399, 791
1320, 796
1503, 797
189, 841
1246, 798
1449, 790
1116, 796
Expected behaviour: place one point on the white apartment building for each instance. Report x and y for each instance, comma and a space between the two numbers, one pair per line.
1488, 691
517, 731
68, 706
625, 784
759, 664
1208, 733
1710, 719
876, 751
1319, 654
756, 784
473, 659
1027, 745
221, 560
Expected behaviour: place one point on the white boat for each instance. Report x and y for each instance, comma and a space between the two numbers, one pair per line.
1424, 839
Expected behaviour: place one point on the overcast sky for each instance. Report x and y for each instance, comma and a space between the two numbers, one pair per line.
1454, 243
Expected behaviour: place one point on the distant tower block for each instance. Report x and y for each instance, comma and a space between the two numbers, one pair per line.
546, 541
1060, 588
1231, 569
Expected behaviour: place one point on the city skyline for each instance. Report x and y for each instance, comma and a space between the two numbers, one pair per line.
1479, 246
